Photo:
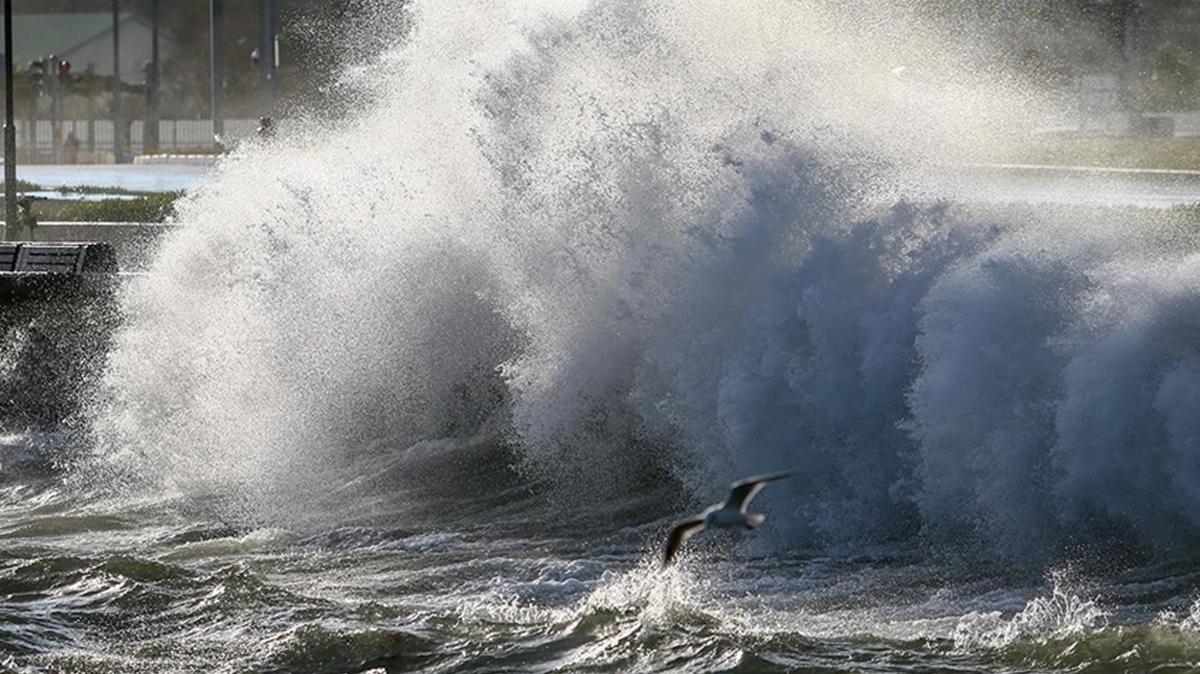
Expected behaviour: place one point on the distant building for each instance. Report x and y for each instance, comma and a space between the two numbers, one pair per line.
86, 40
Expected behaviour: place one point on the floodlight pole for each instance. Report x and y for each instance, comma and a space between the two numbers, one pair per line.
216, 35
268, 57
274, 55
10, 129
150, 134
118, 136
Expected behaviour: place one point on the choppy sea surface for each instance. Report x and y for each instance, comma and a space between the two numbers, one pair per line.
509, 580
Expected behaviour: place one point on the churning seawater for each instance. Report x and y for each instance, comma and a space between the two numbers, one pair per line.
422, 391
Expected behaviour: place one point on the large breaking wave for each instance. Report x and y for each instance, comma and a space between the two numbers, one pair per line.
650, 238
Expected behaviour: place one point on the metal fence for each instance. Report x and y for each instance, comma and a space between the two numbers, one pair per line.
41, 142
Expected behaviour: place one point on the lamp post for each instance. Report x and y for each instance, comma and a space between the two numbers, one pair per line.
10, 129
268, 57
150, 129
216, 8
118, 137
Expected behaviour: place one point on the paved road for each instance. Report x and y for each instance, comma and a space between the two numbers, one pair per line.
165, 178
986, 183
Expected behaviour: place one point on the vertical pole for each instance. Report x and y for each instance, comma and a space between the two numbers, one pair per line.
218, 69
266, 51
118, 136
32, 138
150, 131
56, 131
91, 111
274, 53
10, 128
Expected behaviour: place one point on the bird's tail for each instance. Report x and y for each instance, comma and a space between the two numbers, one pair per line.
754, 519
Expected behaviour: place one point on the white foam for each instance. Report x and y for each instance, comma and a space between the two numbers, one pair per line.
643, 234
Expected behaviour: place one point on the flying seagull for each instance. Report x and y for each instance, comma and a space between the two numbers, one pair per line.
728, 515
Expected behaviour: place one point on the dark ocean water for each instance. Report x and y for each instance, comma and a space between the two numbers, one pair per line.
513, 581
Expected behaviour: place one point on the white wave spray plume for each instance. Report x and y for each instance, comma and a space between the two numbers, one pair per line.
644, 235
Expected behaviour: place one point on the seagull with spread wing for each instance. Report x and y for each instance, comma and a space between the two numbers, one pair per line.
728, 515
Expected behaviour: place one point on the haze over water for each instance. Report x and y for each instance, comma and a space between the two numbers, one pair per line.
424, 390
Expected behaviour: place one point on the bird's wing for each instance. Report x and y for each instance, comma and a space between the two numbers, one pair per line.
742, 491
679, 534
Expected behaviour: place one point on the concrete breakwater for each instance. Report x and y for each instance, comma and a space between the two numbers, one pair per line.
54, 337
58, 312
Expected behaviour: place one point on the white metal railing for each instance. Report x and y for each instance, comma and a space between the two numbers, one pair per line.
39, 142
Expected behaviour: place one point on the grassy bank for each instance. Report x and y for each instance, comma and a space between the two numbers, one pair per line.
147, 208
155, 207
